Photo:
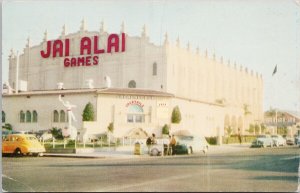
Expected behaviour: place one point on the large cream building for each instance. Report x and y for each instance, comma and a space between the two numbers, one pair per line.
146, 82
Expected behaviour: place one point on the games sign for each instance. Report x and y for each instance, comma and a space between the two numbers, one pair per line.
89, 50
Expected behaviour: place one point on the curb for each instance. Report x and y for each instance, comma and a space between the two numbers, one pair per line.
73, 156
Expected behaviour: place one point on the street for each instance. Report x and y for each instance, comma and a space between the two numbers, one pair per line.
255, 169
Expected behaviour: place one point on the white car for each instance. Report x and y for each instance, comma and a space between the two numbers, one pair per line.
262, 141
278, 140
194, 144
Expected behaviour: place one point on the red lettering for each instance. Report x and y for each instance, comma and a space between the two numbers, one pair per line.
96, 49
113, 42
67, 47
73, 62
58, 47
80, 61
47, 54
88, 60
66, 62
123, 42
95, 60
85, 44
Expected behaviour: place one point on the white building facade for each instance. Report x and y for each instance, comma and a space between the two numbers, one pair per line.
147, 82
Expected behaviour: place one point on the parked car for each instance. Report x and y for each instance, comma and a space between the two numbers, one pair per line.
191, 144
290, 141
22, 144
278, 140
297, 139
262, 141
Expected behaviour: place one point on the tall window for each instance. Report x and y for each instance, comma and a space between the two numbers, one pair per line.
55, 116
3, 117
34, 116
154, 69
132, 84
62, 117
22, 117
28, 116
135, 114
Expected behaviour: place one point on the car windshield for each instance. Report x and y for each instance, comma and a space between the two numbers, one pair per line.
261, 136
274, 136
185, 138
31, 138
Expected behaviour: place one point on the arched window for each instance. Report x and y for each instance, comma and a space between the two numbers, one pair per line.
22, 117
132, 84
55, 116
28, 116
154, 69
135, 114
3, 117
34, 116
62, 116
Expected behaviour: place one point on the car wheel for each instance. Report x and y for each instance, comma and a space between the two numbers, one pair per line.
154, 152
189, 150
18, 152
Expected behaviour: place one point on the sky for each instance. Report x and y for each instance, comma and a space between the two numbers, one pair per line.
255, 34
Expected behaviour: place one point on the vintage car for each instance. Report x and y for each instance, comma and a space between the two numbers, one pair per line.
278, 140
191, 144
290, 141
262, 141
185, 144
22, 144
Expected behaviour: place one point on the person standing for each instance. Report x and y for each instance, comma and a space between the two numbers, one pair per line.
173, 144
153, 139
239, 136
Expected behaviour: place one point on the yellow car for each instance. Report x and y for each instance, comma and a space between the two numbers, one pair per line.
22, 144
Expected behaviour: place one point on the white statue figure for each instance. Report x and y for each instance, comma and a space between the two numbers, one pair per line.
107, 81
90, 83
8, 88
60, 85
71, 130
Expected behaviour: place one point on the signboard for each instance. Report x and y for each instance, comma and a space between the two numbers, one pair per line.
89, 54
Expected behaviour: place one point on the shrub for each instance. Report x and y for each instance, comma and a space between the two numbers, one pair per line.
8, 126
56, 133
110, 127
176, 115
88, 113
165, 130
211, 140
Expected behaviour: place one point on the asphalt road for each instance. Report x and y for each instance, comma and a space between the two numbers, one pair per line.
269, 169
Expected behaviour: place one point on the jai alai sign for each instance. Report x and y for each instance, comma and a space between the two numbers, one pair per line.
89, 54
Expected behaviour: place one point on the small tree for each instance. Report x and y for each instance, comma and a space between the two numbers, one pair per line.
110, 127
88, 113
165, 130
229, 131
176, 115
56, 133
8, 126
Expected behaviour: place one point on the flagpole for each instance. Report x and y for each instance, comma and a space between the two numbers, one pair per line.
276, 110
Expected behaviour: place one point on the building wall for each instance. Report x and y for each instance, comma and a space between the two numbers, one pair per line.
133, 64
180, 71
196, 76
44, 105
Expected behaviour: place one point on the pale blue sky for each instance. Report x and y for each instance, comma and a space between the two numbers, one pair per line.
257, 34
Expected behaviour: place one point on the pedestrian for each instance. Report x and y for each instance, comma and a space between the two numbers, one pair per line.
173, 144
148, 143
239, 136
153, 139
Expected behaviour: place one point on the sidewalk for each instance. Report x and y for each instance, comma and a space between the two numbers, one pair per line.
127, 152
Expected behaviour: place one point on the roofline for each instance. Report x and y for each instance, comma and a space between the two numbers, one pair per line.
88, 91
